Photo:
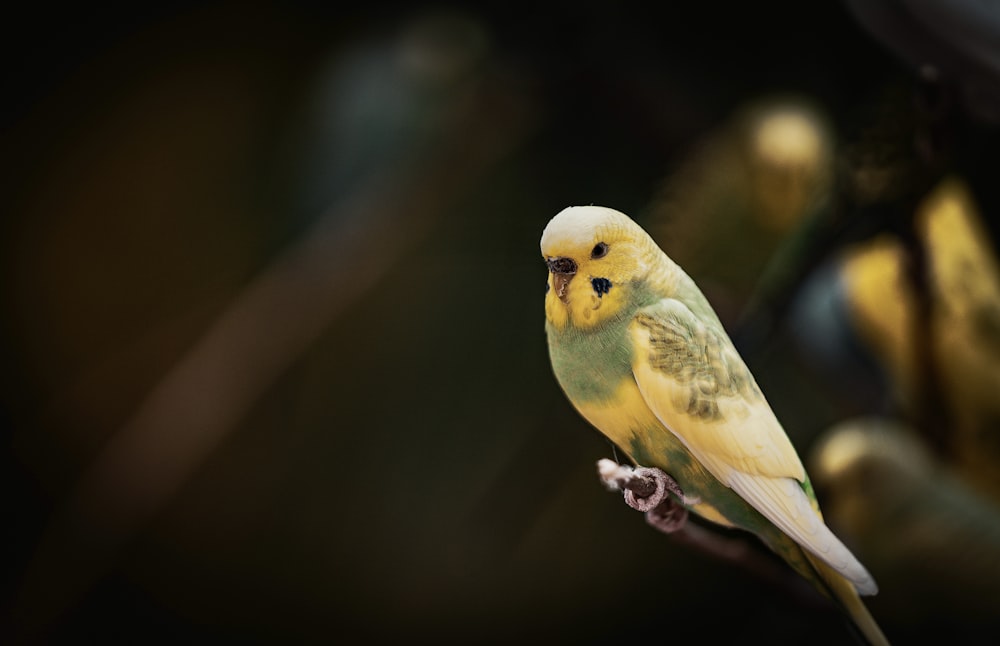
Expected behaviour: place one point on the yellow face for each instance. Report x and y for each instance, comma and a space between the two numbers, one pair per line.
594, 254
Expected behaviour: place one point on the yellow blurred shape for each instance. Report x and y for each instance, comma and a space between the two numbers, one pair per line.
932, 541
963, 283
791, 160
848, 444
882, 307
727, 209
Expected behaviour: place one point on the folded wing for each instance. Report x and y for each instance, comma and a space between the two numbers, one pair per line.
696, 384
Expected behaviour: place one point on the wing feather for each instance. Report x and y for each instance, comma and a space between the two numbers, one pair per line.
696, 384
693, 377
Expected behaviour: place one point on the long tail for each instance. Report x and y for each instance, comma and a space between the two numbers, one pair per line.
842, 591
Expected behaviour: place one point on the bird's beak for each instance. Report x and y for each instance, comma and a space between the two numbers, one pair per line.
563, 270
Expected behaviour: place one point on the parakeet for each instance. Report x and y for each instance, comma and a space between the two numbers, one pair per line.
642, 356
925, 528
957, 358
764, 175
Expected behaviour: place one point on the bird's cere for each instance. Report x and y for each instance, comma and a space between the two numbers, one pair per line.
562, 266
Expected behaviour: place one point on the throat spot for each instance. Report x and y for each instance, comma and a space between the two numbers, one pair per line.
601, 286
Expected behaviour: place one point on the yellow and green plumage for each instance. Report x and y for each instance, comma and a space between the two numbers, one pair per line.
642, 356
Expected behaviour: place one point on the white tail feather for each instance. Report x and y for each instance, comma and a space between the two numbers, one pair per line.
784, 503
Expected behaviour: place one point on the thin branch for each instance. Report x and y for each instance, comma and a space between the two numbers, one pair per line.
657, 494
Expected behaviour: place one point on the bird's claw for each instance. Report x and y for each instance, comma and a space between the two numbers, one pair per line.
648, 490
669, 516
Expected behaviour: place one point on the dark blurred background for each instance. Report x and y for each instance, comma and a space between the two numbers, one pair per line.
274, 367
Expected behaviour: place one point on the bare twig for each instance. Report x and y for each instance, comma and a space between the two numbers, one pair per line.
648, 490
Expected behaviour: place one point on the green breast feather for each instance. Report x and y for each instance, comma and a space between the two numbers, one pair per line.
590, 364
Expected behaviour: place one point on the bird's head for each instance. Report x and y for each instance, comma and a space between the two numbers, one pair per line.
596, 257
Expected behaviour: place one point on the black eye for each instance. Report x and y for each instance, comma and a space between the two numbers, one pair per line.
599, 251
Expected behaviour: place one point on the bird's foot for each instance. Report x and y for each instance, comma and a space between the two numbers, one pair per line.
648, 490
669, 516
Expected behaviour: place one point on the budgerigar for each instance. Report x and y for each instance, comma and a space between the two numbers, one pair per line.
955, 358
643, 357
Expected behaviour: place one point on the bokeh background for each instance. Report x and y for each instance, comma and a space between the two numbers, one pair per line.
274, 366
